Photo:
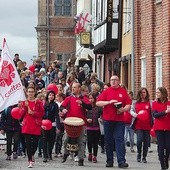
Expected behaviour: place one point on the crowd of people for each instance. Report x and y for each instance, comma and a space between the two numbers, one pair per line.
109, 111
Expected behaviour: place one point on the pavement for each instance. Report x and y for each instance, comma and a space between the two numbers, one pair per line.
21, 163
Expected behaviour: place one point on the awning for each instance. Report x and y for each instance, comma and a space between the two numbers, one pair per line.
84, 54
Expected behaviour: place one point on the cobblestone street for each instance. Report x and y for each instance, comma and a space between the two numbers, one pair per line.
21, 163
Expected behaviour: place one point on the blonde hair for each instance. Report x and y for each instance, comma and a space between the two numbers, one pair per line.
84, 87
95, 86
20, 65
40, 96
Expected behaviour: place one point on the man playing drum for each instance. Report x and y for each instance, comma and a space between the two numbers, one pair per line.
75, 106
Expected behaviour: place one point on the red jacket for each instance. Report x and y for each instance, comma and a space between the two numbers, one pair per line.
110, 111
162, 120
31, 124
143, 124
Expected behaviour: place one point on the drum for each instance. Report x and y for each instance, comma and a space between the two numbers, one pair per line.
73, 127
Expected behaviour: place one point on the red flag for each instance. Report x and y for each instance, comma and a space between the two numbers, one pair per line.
79, 25
82, 22
11, 89
86, 19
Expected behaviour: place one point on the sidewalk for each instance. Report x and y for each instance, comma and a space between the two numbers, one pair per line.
21, 163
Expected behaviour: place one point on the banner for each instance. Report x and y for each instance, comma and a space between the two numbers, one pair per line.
11, 89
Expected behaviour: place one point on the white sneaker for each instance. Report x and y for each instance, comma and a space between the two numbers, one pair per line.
76, 159
30, 165
59, 155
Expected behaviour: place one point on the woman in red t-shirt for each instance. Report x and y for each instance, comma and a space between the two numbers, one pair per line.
142, 126
161, 113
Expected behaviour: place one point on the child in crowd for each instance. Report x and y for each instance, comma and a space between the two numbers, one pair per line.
128, 130
93, 129
48, 136
59, 137
41, 96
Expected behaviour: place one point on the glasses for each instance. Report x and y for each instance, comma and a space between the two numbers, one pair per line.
114, 79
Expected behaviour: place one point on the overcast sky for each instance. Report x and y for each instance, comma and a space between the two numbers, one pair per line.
18, 19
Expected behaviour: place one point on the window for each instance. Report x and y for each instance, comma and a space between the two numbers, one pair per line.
158, 70
59, 57
127, 16
143, 72
63, 7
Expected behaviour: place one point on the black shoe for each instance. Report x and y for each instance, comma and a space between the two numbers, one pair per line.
109, 165
50, 157
81, 162
123, 165
144, 160
103, 151
45, 160
128, 143
40, 155
64, 158
139, 158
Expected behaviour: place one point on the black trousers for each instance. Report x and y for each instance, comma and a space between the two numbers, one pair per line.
163, 139
48, 140
10, 135
23, 144
31, 145
93, 140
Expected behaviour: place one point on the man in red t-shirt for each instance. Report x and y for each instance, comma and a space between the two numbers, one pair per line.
75, 106
113, 116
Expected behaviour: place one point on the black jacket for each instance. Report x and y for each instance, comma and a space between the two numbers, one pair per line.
51, 113
8, 123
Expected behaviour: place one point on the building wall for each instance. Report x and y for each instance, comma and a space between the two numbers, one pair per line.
111, 56
166, 43
125, 70
55, 34
152, 36
127, 44
125, 61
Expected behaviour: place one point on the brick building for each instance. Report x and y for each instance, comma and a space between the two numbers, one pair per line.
107, 21
152, 44
55, 30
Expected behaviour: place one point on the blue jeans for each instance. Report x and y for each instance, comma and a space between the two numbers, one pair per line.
130, 131
143, 138
114, 131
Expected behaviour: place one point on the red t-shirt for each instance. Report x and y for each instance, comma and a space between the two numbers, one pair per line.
110, 111
143, 124
75, 109
127, 118
163, 122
